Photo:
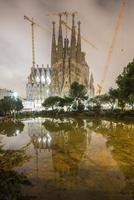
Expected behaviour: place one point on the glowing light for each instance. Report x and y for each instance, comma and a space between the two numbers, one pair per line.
65, 108
48, 80
49, 138
15, 94
43, 79
17, 132
44, 139
37, 79
39, 139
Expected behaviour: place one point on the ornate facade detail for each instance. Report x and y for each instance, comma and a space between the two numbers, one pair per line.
68, 62
38, 86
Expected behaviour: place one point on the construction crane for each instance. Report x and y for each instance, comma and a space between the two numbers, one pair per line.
33, 24
33, 41
65, 13
65, 23
84, 39
112, 46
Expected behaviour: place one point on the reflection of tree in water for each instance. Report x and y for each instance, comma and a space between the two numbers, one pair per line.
10, 181
67, 140
11, 128
68, 144
120, 139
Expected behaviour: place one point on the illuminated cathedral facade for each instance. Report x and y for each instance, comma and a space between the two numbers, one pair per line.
68, 65
39, 85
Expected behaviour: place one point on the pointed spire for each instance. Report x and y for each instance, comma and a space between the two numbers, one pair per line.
60, 39
91, 85
53, 51
79, 43
91, 82
73, 38
91, 79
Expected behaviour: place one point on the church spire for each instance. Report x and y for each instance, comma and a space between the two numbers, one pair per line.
53, 53
60, 39
91, 85
79, 43
73, 38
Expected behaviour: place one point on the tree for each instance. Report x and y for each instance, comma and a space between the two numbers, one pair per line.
131, 100
67, 101
10, 104
125, 82
121, 103
52, 101
80, 107
113, 95
94, 103
77, 91
7, 105
18, 105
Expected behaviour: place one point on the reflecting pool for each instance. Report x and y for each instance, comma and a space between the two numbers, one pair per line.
67, 159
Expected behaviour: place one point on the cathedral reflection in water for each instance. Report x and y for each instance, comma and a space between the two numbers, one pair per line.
67, 145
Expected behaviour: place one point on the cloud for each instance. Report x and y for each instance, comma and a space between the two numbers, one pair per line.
98, 22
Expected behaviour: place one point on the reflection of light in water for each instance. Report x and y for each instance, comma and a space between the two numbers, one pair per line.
17, 132
65, 108
44, 139
49, 138
37, 79
66, 137
43, 79
48, 80
39, 139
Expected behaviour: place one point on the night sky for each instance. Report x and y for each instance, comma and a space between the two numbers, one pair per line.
98, 21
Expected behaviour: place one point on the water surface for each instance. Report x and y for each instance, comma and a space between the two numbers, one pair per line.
69, 159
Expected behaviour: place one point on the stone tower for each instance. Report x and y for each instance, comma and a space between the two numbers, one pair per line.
68, 62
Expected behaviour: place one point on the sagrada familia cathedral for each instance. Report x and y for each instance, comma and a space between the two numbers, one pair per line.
68, 64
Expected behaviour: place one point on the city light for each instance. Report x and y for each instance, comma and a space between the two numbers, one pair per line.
15, 94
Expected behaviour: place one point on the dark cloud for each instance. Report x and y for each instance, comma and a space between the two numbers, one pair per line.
107, 4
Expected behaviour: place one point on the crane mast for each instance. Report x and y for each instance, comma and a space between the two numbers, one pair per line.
112, 46
33, 40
